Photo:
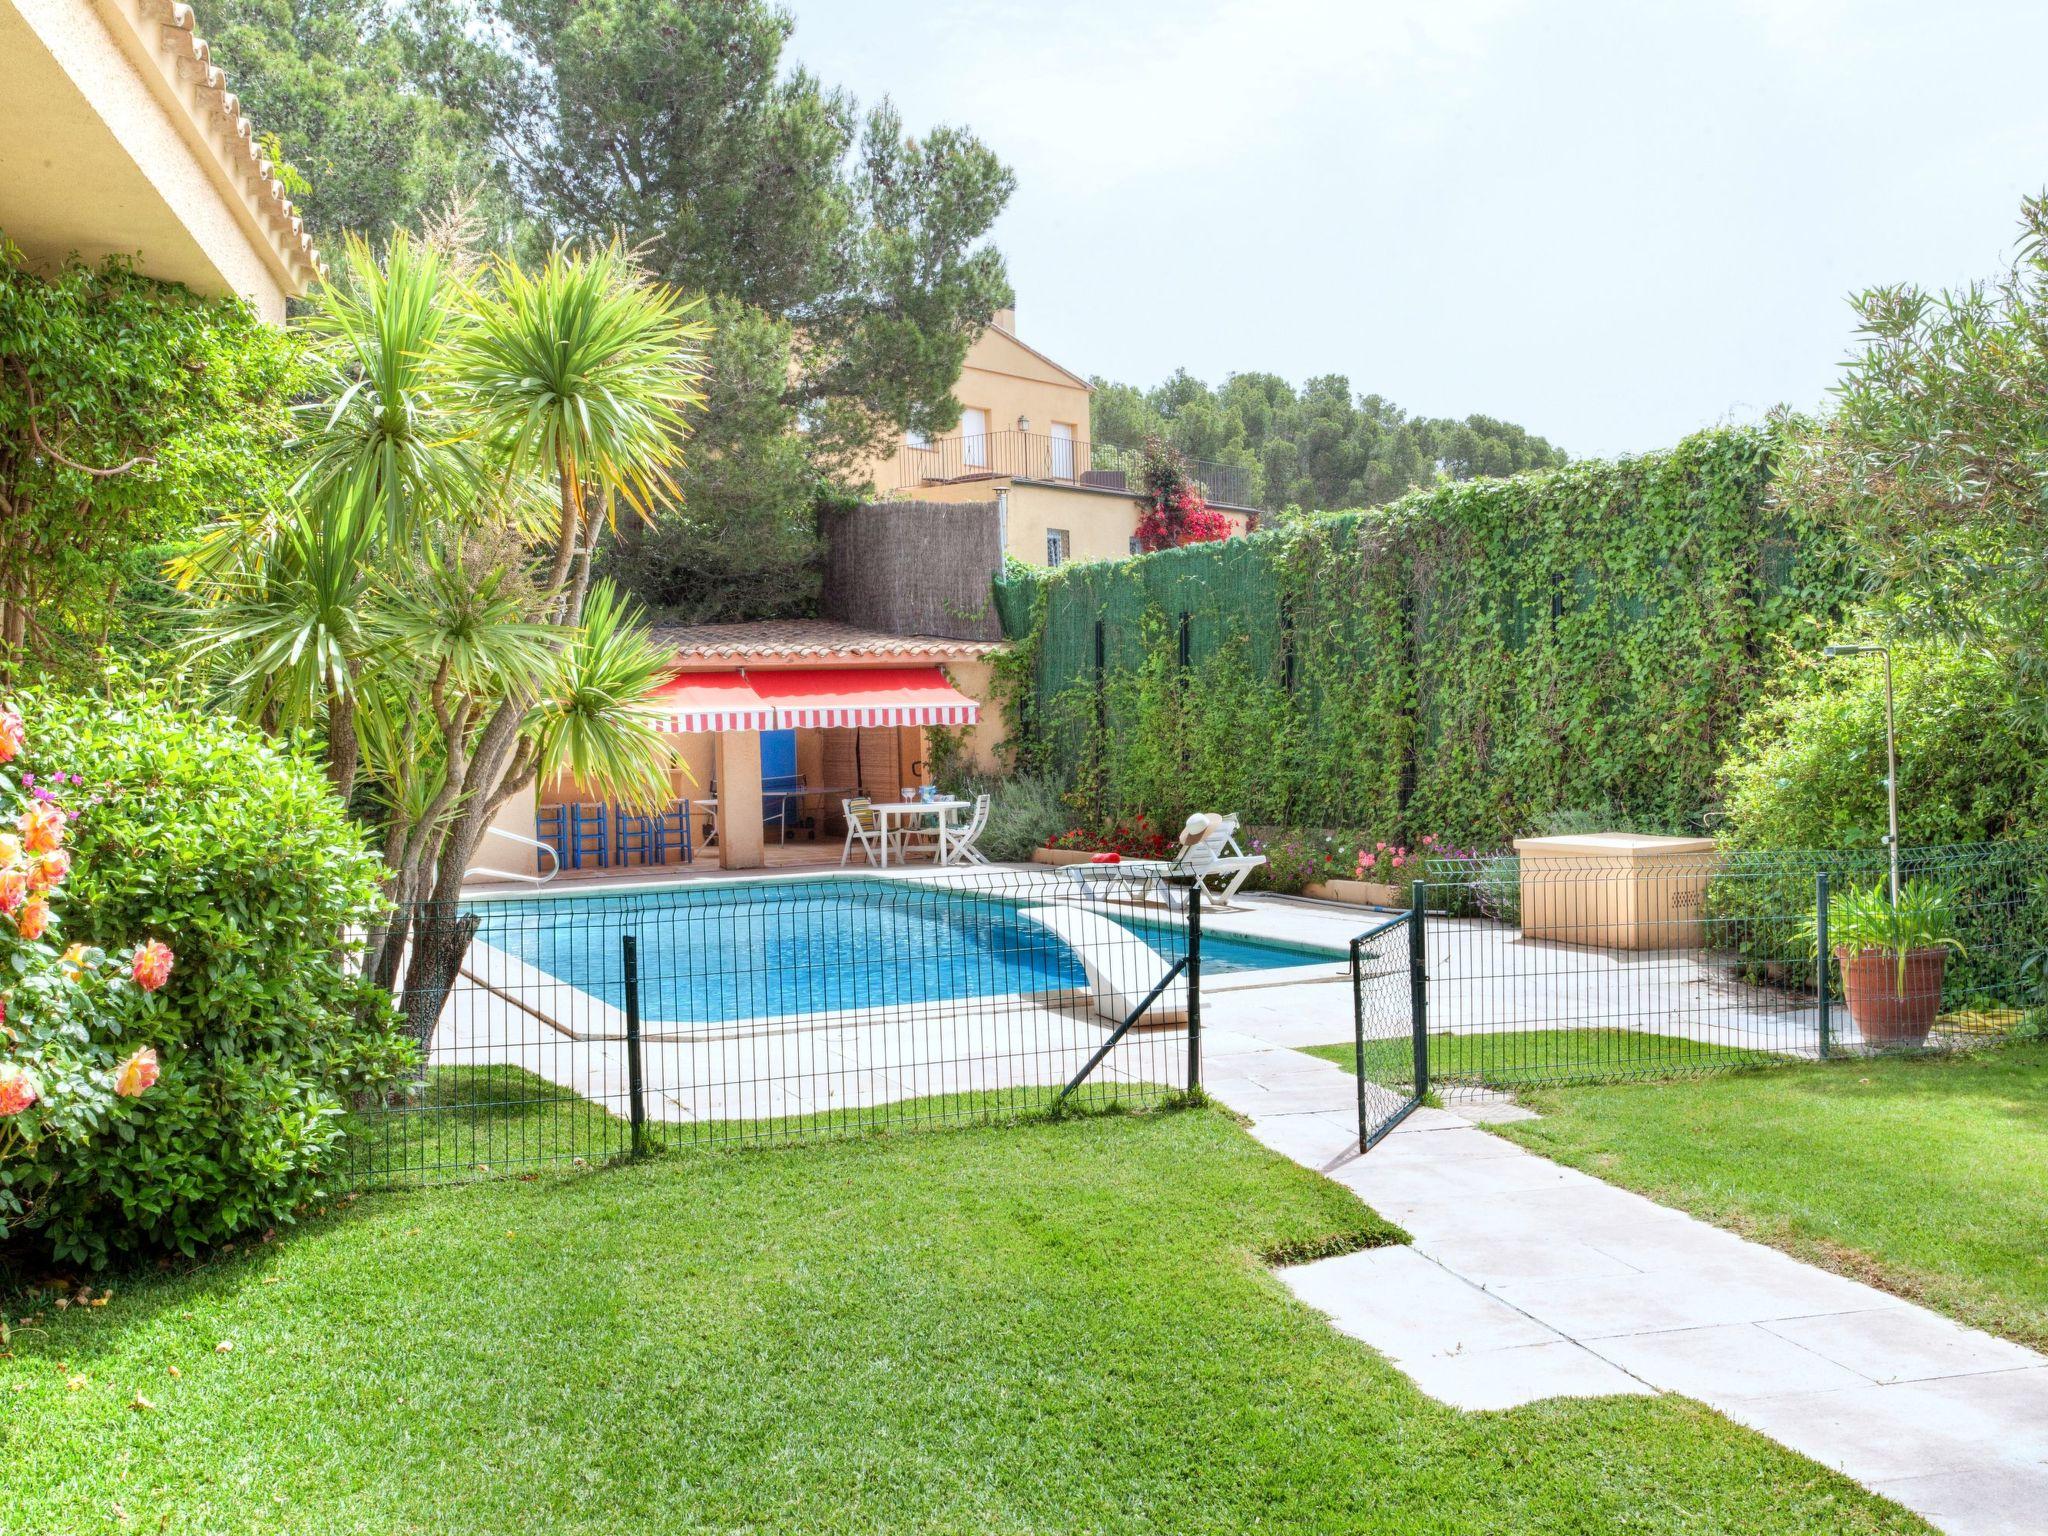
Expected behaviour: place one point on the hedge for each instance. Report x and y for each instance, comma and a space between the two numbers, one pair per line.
1460, 662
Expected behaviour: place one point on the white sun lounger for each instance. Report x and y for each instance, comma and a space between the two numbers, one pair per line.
1216, 857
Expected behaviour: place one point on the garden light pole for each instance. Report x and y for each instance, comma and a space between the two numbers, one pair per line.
1891, 755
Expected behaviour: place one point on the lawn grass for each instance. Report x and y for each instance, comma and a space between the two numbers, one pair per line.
1926, 1175
1048, 1327
485, 1120
1508, 1058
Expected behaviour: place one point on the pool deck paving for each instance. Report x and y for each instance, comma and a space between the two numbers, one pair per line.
1526, 1279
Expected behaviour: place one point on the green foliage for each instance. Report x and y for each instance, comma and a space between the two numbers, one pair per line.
131, 411
1460, 663
228, 847
1025, 811
1316, 448
675, 125
348, 90
1808, 767
1934, 461
1924, 917
740, 540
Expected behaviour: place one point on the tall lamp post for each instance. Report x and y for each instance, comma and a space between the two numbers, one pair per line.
1891, 755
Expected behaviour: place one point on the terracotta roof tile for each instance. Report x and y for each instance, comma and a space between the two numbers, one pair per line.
192, 59
796, 639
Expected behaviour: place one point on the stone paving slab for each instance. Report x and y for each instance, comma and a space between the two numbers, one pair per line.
1528, 1280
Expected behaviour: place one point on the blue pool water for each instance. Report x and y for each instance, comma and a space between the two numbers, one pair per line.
715, 954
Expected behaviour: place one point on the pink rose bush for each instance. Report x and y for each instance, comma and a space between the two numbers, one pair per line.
63, 1015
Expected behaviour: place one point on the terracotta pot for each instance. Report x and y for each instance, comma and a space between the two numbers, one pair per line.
1883, 1015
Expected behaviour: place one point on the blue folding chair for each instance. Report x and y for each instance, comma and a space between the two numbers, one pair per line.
588, 840
636, 833
672, 833
551, 826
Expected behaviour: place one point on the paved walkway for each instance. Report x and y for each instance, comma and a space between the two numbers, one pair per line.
1527, 1280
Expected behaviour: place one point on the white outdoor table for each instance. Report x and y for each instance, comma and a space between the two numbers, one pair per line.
903, 810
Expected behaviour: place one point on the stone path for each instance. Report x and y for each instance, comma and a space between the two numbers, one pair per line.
1527, 1280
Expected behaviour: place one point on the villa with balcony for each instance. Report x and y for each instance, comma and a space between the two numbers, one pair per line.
1023, 443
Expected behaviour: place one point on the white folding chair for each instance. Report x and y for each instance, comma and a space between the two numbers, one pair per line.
957, 844
863, 826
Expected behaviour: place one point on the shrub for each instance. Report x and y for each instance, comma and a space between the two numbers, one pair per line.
229, 847
70, 1023
1808, 774
1808, 769
1024, 813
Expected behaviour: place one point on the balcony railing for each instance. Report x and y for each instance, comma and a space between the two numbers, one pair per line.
1058, 461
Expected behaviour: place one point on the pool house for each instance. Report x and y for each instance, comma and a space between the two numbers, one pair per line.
774, 724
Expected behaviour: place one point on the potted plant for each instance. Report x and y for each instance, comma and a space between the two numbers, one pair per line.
1892, 957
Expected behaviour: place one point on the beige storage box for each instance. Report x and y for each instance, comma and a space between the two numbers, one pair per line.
1615, 890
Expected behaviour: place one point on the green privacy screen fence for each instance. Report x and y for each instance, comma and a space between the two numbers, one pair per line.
1457, 663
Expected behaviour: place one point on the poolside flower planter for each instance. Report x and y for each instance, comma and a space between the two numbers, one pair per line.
1059, 856
1359, 893
1884, 1014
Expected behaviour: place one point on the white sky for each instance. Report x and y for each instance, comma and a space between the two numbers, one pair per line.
1611, 222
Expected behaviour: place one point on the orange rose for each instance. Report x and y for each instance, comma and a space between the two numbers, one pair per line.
13, 735
151, 967
73, 961
134, 1076
17, 1089
33, 918
13, 890
42, 828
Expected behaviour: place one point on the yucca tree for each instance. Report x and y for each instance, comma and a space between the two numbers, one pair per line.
426, 601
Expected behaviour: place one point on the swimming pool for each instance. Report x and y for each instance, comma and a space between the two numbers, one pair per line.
720, 953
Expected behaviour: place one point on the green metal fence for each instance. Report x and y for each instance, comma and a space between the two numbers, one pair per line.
1593, 969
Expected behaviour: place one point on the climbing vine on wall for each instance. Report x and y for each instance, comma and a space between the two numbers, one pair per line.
1460, 662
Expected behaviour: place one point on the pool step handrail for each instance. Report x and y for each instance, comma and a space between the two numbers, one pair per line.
485, 872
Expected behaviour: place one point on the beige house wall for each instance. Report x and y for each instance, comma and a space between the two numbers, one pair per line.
118, 135
1005, 377
1099, 524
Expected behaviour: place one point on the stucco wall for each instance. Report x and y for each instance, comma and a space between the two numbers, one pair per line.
106, 147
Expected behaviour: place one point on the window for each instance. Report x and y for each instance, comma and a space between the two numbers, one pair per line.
912, 438
1055, 546
974, 437
1134, 545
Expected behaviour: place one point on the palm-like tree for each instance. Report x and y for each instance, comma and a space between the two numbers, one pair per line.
428, 601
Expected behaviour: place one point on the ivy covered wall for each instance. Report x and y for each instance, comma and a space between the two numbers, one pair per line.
1460, 662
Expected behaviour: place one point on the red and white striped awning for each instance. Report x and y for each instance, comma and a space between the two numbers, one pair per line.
710, 701
807, 698
810, 698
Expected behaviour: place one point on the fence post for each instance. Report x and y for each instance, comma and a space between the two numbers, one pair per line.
1418, 983
630, 951
1195, 985
1820, 958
